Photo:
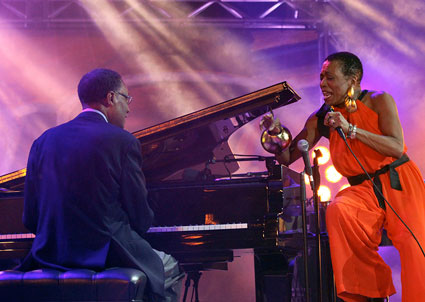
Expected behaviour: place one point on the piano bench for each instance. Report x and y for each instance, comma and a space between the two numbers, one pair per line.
77, 285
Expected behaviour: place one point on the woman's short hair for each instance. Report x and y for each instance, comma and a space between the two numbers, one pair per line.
350, 63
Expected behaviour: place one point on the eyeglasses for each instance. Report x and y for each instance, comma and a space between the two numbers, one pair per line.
127, 97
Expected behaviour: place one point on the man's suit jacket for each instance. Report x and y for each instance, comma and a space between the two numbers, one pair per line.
86, 200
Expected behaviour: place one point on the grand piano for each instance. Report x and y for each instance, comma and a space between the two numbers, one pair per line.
203, 210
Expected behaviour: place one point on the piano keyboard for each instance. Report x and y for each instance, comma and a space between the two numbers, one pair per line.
17, 236
165, 229
202, 227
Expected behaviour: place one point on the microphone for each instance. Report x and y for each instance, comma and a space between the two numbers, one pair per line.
302, 146
338, 129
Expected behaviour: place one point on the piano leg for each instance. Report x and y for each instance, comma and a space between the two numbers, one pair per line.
272, 276
192, 276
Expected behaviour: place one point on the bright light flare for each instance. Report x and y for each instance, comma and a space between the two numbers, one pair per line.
332, 175
325, 193
326, 155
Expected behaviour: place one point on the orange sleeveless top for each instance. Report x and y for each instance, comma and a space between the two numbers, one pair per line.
345, 163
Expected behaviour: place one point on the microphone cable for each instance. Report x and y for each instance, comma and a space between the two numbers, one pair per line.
341, 133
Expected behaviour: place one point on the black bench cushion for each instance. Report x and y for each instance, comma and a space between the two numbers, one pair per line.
79, 285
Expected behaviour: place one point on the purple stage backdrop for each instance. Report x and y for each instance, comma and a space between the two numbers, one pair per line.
174, 70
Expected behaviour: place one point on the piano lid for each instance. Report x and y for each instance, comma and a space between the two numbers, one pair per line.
201, 136
195, 138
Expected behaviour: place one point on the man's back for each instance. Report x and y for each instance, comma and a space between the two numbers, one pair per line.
85, 193
85, 198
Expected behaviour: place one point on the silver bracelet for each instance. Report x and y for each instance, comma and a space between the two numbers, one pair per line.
353, 132
350, 130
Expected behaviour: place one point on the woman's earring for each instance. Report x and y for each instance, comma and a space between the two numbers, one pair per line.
351, 92
350, 102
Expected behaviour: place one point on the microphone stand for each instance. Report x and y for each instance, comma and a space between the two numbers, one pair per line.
303, 201
316, 200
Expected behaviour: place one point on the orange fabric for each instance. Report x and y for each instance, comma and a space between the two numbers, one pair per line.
355, 220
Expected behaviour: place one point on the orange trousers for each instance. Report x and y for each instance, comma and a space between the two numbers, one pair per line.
354, 222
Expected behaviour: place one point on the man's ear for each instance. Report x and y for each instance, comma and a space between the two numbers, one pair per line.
109, 99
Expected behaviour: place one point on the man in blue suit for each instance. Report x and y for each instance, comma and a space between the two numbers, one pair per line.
85, 193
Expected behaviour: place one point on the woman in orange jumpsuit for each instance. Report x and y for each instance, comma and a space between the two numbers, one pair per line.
357, 215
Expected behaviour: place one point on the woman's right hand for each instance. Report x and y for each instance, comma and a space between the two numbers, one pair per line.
271, 124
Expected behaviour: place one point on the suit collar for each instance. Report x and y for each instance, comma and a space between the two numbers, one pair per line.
92, 115
97, 111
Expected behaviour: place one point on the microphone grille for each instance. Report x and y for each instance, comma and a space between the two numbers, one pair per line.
302, 145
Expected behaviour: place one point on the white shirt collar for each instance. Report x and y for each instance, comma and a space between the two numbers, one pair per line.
97, 111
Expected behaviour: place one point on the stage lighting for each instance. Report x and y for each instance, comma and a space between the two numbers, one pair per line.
325, 193
325, 155
332, 175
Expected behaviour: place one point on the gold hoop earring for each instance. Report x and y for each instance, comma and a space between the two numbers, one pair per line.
350, 102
